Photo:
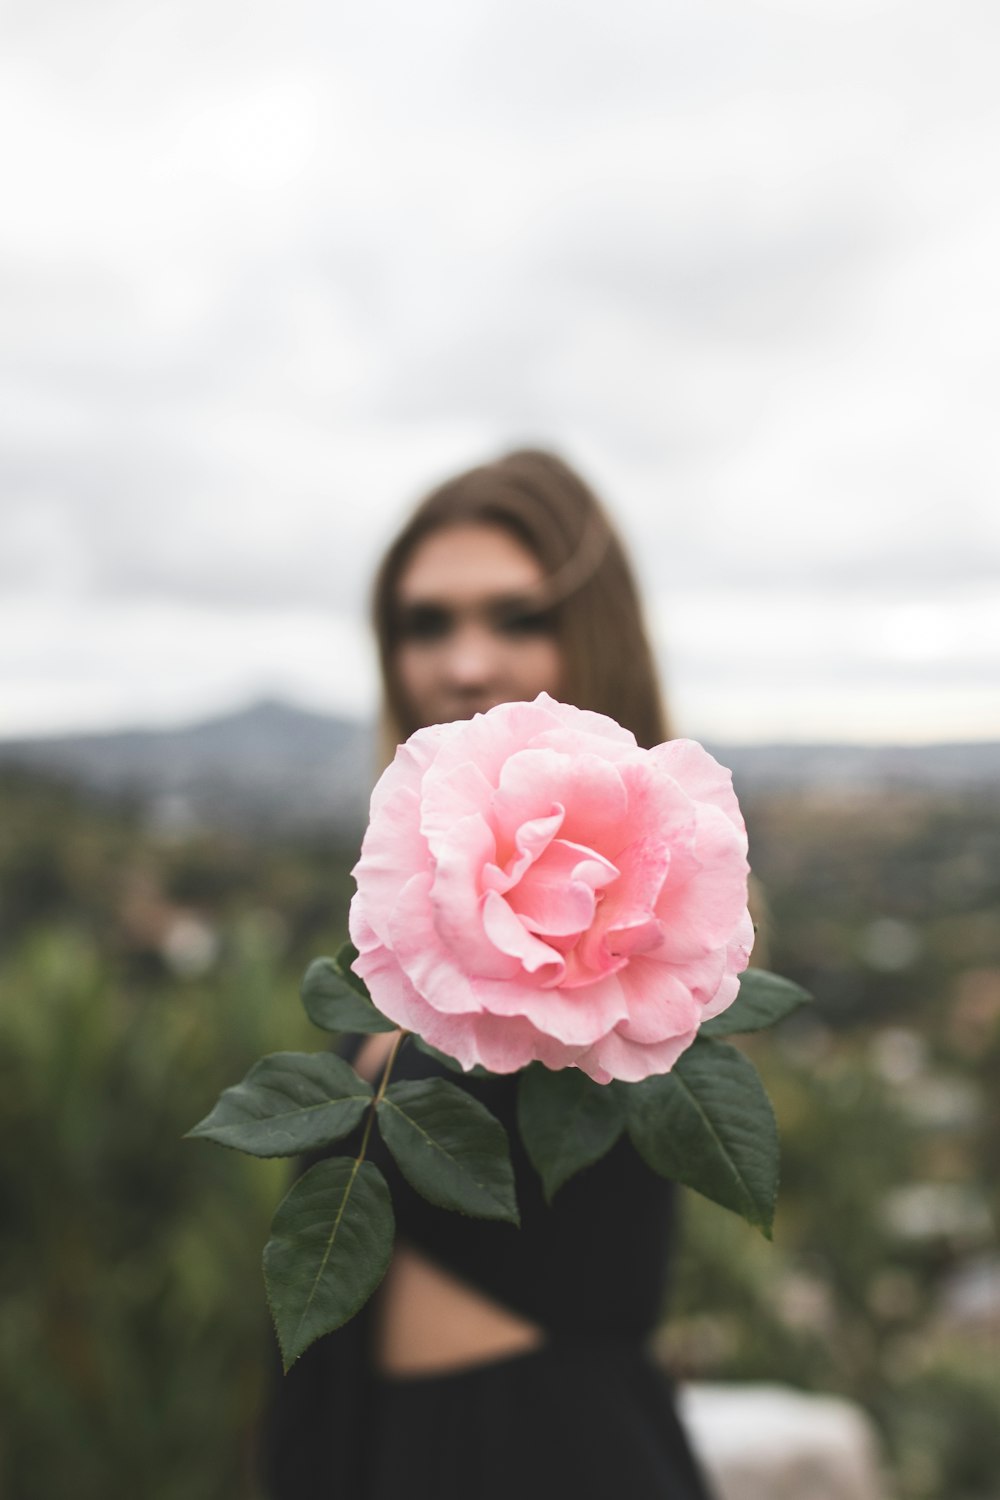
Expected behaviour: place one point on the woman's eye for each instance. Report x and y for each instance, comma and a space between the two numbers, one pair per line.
526, 622
424, 622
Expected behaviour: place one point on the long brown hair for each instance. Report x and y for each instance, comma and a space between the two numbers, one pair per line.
542, 502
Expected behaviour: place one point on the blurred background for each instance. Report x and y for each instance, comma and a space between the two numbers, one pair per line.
266, 274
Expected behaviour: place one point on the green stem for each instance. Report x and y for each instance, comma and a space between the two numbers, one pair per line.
400, 1039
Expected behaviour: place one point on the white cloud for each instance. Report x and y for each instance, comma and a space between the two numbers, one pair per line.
65, 666
265, 275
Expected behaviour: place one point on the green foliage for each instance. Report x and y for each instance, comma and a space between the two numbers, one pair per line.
566, 1121
133, 1334
708, 1123
330, 1246
943, 1424
885, 909
449, 1147
122, 1256
763, 1000
336, 1000
288, 1104
332, 1236
140, 974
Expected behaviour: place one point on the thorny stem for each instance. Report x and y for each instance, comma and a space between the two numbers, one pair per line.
400, 1039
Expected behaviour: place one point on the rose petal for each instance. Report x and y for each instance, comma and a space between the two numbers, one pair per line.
616, 1057
505, 1043
700, 774
456, 897
502, 1045
590, 790
556, 896
580, 973
431, 967
530, 842
508, 934
464, 792
660, 1004
392, 843
489, 740
737, 958
628, 921
410, 763
658, 807
702, 910
557, 1011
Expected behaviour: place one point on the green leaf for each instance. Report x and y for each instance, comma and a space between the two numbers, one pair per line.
449, 1147
763, 999
343, 959
330, 1246
566, 1121
288, 1103
709, 1124
336, 999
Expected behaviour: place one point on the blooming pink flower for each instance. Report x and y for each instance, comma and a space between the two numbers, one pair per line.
534, 886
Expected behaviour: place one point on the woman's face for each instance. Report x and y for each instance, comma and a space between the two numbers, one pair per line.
473, 629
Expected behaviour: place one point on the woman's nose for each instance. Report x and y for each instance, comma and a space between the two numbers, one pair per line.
471, 657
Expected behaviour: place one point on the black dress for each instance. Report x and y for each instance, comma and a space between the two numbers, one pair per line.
586, 1415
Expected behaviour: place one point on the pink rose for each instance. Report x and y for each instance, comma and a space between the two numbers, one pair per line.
534, 886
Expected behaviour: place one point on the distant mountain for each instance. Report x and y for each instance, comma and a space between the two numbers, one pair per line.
871, 768
272, 767
268, 766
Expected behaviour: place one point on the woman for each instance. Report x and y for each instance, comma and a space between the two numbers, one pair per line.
496, 1361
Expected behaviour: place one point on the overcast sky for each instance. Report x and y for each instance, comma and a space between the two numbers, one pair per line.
268, 271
